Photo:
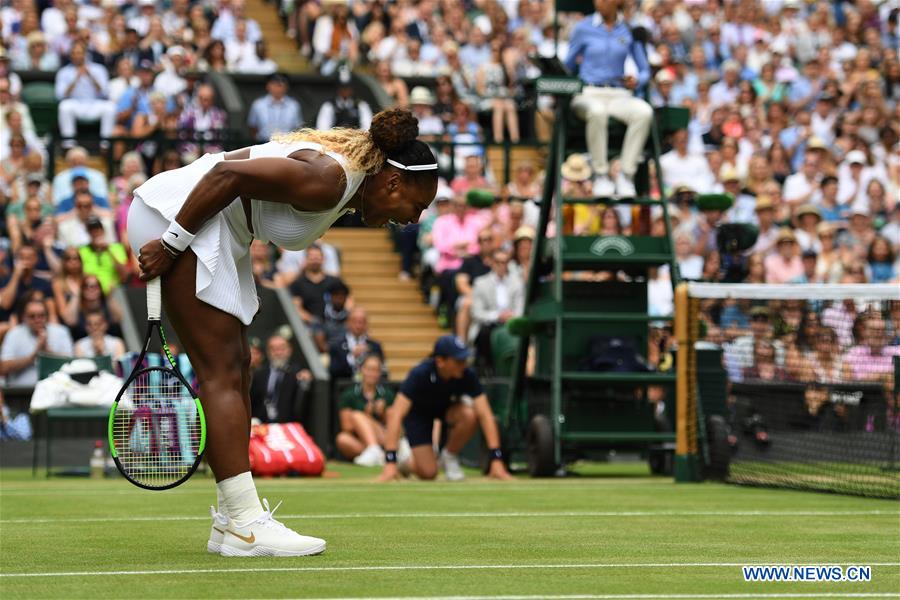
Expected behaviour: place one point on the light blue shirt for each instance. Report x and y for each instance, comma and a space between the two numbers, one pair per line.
604, 51
84, 89
269, 117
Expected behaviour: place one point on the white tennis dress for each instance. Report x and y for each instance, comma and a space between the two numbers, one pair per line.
222, 245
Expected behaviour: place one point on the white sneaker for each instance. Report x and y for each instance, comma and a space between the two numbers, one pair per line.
450, 464
372, 456
266, 536
404, 457
217, 532
625, 186
603, 187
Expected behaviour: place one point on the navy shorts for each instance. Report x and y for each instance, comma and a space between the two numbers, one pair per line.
419, 429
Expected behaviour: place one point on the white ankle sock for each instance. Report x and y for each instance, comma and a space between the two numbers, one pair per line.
220, 502
241, 501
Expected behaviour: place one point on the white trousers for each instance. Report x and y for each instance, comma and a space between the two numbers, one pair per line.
595, 105
71, 110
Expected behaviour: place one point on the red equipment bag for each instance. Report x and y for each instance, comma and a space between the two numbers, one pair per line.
283, 448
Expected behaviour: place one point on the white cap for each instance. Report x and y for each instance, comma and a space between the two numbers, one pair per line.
856, 156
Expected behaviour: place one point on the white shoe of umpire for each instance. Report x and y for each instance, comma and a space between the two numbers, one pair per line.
625, 186
372, 456
266, 536
217, 532
450, 464
404, 457
603, 187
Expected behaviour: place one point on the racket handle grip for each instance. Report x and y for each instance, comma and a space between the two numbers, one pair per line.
154, 299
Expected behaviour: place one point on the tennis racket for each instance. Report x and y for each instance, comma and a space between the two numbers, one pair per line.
157, 431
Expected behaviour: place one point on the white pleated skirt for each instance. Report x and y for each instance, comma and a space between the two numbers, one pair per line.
224, 273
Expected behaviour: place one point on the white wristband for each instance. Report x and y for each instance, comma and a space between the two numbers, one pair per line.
177, 236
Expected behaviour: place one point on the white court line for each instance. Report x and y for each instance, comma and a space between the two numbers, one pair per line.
492, 515
311, 486
631, 596
414, 568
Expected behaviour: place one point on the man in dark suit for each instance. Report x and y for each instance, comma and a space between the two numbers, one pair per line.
356, 343
278, 386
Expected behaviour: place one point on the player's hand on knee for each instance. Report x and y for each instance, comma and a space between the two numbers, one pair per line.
154, 260
498, 471
389, 473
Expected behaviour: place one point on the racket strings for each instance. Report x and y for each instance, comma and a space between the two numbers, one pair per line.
157, 429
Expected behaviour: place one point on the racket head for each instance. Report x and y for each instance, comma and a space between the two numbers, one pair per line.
156, 428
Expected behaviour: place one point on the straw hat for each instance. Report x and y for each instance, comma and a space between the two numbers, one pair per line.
421, 95
576, 168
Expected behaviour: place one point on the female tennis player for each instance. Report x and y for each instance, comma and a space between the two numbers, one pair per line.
193, 227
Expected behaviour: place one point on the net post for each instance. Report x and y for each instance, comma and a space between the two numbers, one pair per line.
687, 465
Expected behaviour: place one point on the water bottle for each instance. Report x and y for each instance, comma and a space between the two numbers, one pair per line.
98, 461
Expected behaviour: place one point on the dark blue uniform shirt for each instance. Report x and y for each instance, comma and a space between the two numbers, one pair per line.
431, 396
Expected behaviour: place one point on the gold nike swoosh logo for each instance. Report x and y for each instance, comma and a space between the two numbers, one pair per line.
249, 539
219, 530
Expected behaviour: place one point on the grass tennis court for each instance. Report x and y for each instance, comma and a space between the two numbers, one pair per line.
612, 532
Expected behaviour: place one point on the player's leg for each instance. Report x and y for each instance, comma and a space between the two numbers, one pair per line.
462, 422
214, 341
364, 428
418, 432
349, 445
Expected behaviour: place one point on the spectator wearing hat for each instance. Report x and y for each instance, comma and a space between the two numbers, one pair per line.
170, 81
768, 231
33, 336
743, 209
679, 165
23, 280
135, 100
662, 94
76, 163
37, 57
853, 177
810, 259
421, 100
81, 88
784, 264
80, 184
108, 262
808, 219
523, 243
824, 117
345, 109
441, 387
598, 48
859, 234
276, 112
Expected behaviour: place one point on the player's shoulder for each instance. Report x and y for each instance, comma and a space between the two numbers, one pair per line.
422, 372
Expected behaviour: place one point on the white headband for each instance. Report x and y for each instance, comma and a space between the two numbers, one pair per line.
431, 167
